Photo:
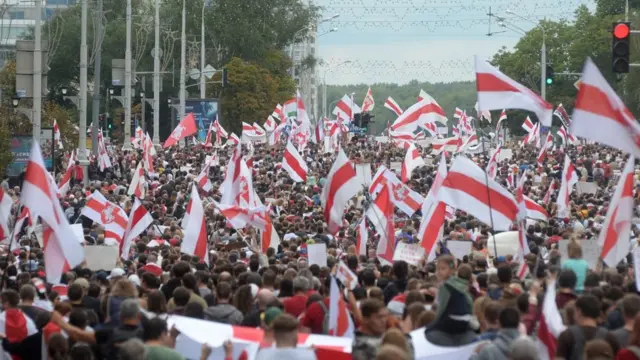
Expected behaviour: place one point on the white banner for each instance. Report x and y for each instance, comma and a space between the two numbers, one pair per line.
411, 253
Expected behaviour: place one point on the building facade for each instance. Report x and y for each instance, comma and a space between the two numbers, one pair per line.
303, 57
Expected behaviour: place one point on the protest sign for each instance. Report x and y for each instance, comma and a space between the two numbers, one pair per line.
101, 257
411, 253
590, 251
459, 248
317, 254
346, 276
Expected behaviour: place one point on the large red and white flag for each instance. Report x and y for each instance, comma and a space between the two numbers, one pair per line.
302, 117
138, 181
405, 199
65, 181
341, 185
195, 233
230, 187
468, 188
450, 144
294, 164
362, 237
569, 178
534, 210
412, 160
240, 217
614, 236
550, 325
318, 137
220, 131
270, 124
562, 114
492, 166
111, 216
393, 106
346, 108
496, 91
61, 248
233, 139
528, 125
567, 139
103, 156
5, 213
403, 139
139, 221
340, 323
269, 236
186, 127
552, 189
203, 178
433, 213
485, 114
368, 103
17, 227
380, 213
600, 115
422, 112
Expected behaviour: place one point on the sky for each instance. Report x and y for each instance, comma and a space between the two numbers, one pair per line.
397, 41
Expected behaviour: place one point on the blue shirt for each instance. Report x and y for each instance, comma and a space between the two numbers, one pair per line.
580, 268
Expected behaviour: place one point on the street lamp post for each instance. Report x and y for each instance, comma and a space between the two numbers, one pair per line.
183, 63
143, 106
295, 36
156, 77
543, 55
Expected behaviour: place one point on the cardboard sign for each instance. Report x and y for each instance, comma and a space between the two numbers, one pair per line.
411, 253
101, 257
396, 166
583, 187
590, 251
317, 254
459, 248
505, 154
346, 276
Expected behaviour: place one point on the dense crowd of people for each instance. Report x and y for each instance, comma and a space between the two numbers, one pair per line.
123, 313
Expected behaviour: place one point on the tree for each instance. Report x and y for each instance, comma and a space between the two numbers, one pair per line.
251, 94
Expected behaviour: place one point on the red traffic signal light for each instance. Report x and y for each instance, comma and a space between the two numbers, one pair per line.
621, 30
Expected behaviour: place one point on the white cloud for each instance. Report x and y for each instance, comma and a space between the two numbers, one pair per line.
440, 60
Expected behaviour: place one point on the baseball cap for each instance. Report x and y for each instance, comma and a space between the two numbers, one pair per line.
82, 282
270, 314
116, 272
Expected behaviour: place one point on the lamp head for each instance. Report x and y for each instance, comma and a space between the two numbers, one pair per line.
63, 91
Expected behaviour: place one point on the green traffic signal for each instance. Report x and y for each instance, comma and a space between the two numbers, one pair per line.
549, 81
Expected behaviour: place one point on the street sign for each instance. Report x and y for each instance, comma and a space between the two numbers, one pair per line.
357, 130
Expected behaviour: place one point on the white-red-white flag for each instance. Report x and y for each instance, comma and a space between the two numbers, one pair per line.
562, 114
65, 181
412, 161
381, 215
468, 188
534, 210
362, 237
195, 233
186, 127
402, 139
422, 112
393, 106
139, 221
24, 216
5, 213
233, 139
614, 236
138, 181
552, 188
341, 185
56, 134
302, 116
148, 151
450, 144
405, 199
569, 178
61, 249
346, 108
111, 216
485, 114
528, 125
340, 323
433, 213
203, 178
240, 217
294, 164
368, 103
522, 217
230, 187
318, 137
600, 115
492, 166
103, 156
496, 91
550, 325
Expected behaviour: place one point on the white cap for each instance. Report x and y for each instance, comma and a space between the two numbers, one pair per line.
116, 272
135, 279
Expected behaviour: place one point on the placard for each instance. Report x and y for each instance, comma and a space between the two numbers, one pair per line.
396, 165
459, 248
317, 254
583, 187
363, 172
346, 276
411, 253
590, 251
101, 257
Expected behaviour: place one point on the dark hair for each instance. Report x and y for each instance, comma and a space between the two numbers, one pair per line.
181, 296
223, 290
27, 292
505, 274
154, 329
368, 277
371, 307
400, 269
11, 296
567, 279
189, 281
75, 292
589, 306
78, 318
630, 306
194, 310
492, 311
156, 302
509, 318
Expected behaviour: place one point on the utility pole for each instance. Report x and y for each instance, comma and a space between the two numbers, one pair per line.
96, 80
203, 91
127, 82
82, 96
156, 78
543, 67
183, 64
37, 73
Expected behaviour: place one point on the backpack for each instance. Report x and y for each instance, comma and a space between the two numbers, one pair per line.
325, 320
577, 352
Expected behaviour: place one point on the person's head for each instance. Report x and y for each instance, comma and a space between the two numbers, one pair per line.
223, 290
156, 330
132, 349
27, 293
10, 299
130, 312
634, 337
58, 347
395, 337
391, 352
505, 274
491, 313
400, 270
567, 279
587, 309
300, 284
374, 316
445, 267
264, 297
509, 318
181, 296
630, 307
574, 251
524, 348
285, 331
75, 293
156, 302
598, 349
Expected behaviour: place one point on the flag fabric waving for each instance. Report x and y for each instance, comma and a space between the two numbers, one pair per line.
569, 178
195, 233
393, 106
380, 213
340, 323
138, 181
368, 103
187, 127
139, 221
422, 112
496, 91
341, 185
111, 216
294, 164
433, 213
412, 160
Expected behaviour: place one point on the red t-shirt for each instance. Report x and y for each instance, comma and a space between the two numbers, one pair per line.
314, 317
295, 305
79, 175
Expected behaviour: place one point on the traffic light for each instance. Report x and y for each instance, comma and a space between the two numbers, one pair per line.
109, 123
550, 74
225, 77
620, 47
101, 122
366, 119
357, 119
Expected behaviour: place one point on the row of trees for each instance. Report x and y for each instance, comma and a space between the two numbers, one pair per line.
248, 39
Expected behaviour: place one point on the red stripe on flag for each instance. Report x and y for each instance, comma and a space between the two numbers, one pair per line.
341, 176
415, 115
593, 100
295, 165
36, 175
481, 192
